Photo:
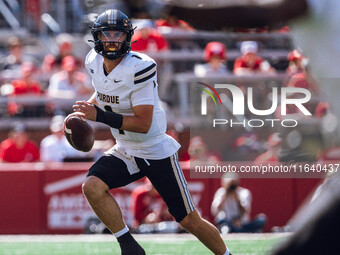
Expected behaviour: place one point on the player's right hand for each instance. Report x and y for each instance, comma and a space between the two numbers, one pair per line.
86, 110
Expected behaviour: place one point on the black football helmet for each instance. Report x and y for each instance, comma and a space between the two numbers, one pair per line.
112, 20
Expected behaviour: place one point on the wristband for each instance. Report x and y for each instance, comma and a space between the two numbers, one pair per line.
112, 119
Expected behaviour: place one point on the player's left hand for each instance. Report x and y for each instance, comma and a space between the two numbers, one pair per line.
85, 110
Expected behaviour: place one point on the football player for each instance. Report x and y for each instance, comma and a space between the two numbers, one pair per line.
126, 99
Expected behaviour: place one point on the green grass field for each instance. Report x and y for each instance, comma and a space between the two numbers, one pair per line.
105, 245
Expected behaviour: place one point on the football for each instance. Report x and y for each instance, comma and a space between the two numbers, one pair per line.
79, 133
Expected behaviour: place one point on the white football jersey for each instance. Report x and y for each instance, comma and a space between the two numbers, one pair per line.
121, 90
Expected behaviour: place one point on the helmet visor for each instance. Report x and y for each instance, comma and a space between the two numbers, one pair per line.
112, 36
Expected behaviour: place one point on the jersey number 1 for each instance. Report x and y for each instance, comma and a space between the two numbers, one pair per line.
109, 109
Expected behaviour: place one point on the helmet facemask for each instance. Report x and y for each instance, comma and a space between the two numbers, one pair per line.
112, 32
111, 44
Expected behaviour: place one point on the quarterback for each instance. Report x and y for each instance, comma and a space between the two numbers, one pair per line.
126, 99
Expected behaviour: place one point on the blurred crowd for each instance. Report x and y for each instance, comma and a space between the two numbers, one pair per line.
62, 75
44, 85
56, 76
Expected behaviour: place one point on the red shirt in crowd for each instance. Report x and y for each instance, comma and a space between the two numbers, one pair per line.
177, 24
241, 62
144, 202
153, 42
22, 87
9, 152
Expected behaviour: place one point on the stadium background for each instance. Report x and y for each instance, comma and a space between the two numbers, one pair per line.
26, 202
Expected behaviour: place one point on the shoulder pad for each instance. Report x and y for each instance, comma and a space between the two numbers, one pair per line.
145, 68
90, 57
91, 61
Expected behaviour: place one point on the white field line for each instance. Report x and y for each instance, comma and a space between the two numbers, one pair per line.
167, 238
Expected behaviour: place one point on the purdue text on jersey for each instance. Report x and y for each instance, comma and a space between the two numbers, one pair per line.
108, 98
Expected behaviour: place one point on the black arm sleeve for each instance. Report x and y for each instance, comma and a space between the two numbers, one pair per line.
112, 119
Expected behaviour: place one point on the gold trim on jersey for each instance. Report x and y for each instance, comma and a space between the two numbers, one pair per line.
146, 74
